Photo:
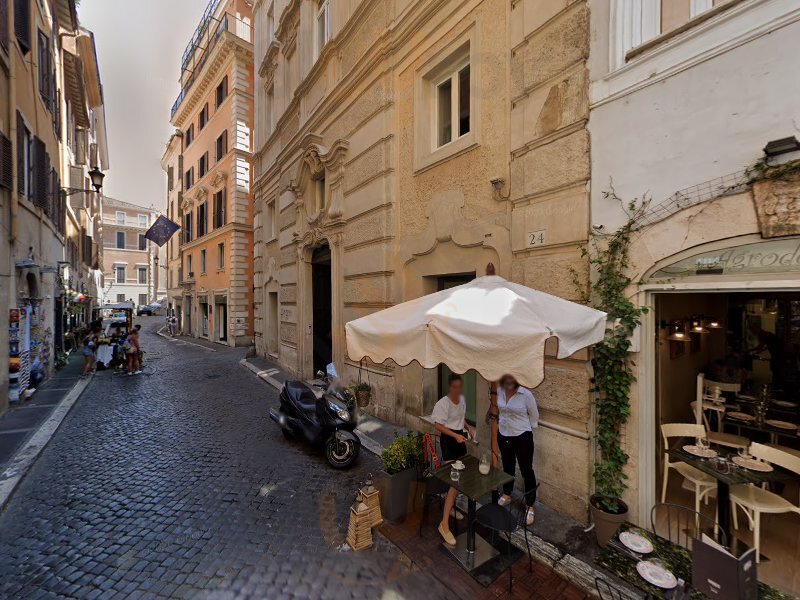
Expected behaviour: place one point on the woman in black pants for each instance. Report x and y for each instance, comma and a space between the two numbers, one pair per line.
517, 417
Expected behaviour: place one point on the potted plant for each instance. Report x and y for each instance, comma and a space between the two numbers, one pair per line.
402, 461
362, 392
613, 368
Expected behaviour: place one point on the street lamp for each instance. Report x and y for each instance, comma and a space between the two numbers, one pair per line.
96, 176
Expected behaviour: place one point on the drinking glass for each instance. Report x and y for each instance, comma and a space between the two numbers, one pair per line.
454, 474
745, 452
484, 466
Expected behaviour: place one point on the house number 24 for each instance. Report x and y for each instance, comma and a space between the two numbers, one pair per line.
537, 238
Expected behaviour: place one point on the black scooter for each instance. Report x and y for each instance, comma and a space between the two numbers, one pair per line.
321, 414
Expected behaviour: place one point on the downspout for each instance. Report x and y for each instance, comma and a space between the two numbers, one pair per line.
12, 122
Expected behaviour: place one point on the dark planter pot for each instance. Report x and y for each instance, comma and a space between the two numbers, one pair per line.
606, 523
398, 493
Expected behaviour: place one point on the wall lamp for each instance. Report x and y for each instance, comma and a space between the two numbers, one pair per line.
96, 175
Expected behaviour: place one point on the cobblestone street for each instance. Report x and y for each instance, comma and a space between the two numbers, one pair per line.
175, 483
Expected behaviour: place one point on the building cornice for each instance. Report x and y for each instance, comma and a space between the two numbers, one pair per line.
230, 46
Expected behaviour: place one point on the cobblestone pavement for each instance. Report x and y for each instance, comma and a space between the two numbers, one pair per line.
175, 483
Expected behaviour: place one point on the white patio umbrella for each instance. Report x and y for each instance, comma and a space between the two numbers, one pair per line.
489, 324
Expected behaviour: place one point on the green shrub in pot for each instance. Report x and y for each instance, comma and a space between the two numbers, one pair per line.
402, 462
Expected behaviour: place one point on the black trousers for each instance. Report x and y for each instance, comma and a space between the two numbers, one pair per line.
519, 450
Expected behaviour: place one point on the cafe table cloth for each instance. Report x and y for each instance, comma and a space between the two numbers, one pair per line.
489, 324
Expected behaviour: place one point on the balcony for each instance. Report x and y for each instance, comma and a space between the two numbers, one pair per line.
205, 39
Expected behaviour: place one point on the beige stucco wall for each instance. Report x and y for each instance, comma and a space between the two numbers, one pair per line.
401, 215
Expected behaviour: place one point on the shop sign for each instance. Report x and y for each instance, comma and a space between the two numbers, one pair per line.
775, 256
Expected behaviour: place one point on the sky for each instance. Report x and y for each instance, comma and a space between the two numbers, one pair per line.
139, 48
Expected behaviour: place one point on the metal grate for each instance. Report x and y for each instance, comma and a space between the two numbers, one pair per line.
696, 194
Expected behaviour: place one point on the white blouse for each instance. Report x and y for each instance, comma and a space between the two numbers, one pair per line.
518, 414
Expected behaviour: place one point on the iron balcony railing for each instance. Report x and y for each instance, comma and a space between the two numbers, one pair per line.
200, 49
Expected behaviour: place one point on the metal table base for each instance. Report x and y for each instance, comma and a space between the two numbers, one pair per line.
483, 552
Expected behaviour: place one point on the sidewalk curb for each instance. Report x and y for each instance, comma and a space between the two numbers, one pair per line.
26, 456
176, 340
366, 441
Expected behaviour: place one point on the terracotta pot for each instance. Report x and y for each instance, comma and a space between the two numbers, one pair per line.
606, 523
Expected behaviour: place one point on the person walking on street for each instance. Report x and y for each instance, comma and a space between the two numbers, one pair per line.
89, 357
448, 417
132, 350
517, 417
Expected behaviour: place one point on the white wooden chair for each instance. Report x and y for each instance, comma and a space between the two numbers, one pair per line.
721, 438
703, 484
755, 501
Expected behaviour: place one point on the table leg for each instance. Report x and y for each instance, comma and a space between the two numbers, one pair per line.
471, 526
724, 510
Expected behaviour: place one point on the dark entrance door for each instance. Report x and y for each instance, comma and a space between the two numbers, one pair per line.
471, 378
321, 294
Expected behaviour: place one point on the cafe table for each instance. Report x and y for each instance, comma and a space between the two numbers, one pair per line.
735, 475
616, 559
774, 432
471, 550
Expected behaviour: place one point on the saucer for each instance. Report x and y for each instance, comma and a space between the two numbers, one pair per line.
458, 465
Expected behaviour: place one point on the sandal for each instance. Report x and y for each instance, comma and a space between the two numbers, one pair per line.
530, 516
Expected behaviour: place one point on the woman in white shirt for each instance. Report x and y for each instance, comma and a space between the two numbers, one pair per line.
448, 417
517, 417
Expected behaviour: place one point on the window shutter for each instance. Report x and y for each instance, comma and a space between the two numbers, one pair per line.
41, 168
4, 23
22, 24
20, 154
6, 156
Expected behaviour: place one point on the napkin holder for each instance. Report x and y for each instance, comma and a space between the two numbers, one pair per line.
719, 574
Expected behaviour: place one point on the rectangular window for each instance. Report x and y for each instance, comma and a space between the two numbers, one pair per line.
222, 91
121, 240
222, 145
4, 24
24, 159
189, 178
203, 120
142, 274
187, 228
453, 106
120, 274
323, 26
44, 68
120, 218
120, 297
202, 220
142, 299
269, 221
143, 221
22, 24
220, 201
142, 242
188, 137
202, 261
202, 167
221, 255
189, 268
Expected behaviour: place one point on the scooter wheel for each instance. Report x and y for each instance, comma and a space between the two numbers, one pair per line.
341, 454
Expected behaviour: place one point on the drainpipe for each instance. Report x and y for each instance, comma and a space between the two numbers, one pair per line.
12, 122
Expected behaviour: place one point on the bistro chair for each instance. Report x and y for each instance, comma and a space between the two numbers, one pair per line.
499, 519
703, 484
755, 501
680, 525
606, 591
435, 489
720, 438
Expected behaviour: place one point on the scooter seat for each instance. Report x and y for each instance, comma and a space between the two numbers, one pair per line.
301, 395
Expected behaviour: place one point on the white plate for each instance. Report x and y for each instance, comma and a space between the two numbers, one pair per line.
751, 464
637, 543
785, 404
656, 575
781, 424
701, 452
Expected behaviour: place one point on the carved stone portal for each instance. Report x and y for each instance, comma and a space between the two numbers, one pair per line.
777, 204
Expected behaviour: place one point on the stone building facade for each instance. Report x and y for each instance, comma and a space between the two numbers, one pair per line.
130, 261
687, 97
400, 146
50, 96
214, 113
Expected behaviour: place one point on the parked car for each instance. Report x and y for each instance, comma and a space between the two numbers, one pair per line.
147, 309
